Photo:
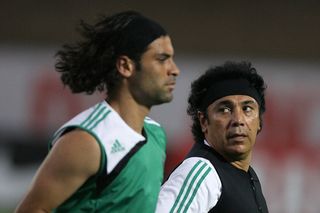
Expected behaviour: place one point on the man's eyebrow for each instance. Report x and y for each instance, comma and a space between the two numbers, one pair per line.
167, 55
224, 102
228, 102
248, 102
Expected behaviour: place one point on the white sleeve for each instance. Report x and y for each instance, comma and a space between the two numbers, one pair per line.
194, 186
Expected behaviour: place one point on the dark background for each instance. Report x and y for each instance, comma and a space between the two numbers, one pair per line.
288, 29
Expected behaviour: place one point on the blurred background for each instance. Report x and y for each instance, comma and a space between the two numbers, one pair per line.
280, 38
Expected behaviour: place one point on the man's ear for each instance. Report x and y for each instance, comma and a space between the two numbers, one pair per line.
259, 129
125, 66
203, 121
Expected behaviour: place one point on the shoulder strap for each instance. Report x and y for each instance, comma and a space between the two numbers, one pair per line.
105, 179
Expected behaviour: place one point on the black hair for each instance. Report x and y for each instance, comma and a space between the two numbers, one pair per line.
229, 70
90, 65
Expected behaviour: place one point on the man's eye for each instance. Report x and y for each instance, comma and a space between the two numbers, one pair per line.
225, 109
247, 109
162, 59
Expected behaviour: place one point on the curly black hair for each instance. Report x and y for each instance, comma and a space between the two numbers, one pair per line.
90, 65
229, 70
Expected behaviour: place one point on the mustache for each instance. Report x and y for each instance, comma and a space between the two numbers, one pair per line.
171, 80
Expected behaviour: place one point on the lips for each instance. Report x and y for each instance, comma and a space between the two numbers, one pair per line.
236, 135
171, 81
171, 85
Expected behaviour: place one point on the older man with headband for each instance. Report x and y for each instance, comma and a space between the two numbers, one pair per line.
226, 104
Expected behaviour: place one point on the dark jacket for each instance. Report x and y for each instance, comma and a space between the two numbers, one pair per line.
241, 191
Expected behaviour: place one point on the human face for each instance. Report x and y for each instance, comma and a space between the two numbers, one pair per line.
154, 83
231, 126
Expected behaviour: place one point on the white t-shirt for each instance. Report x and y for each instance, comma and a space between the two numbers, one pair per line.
194, 186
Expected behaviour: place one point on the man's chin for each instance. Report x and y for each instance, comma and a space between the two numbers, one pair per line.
165, 99
237, 154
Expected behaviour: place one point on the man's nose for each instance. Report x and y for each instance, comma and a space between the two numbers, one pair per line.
237, 118
174, 70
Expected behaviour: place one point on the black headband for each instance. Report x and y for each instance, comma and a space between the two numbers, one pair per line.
229, 87
138, 34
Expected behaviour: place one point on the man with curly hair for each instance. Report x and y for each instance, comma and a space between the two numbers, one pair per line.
226, 104
110, 157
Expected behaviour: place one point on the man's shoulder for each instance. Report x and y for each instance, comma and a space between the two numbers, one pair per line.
192, 164
193, 186
195, 172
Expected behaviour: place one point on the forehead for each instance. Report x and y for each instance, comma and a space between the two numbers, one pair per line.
235, 99
160, 45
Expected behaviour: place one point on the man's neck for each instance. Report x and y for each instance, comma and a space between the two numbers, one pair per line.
241, 164
131, 112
